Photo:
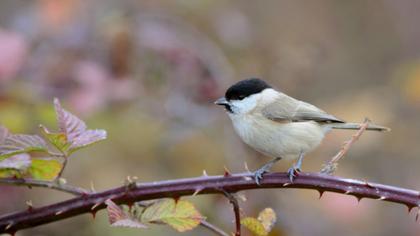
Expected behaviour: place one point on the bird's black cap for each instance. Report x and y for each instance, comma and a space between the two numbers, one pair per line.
245, 88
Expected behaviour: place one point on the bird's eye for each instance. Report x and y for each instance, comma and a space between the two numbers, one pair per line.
241, 97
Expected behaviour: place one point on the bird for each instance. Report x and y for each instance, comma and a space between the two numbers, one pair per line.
277, 125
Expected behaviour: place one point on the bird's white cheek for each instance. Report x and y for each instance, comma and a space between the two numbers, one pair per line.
245, 105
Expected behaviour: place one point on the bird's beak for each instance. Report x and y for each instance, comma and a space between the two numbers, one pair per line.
221, 101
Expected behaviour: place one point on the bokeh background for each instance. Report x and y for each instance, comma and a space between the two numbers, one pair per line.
149, 71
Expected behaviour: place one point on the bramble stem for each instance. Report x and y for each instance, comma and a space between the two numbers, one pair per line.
203, 185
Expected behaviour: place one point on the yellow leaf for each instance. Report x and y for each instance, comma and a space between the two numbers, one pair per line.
180, 215
44, 169
254, 225
267, 217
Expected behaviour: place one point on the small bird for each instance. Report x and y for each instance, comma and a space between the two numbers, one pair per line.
278, 125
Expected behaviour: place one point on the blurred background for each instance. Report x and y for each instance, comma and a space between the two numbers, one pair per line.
148, 72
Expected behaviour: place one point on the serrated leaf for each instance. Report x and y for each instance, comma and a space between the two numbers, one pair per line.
21, 143
59, 140
118, 218
180, 215
254, 225
87, 138
68, 123
19, 162
267, 217
44, 169
73, 133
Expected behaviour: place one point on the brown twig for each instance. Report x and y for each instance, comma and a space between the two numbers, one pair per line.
236, 211
331, 166
45, 184
207, 185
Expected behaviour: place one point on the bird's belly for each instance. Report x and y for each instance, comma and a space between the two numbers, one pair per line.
285, 140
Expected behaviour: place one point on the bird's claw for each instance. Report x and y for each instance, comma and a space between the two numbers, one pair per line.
293, 172
258, 175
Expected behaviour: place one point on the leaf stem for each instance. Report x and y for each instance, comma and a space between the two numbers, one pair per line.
213, 228
45, 184
62, 168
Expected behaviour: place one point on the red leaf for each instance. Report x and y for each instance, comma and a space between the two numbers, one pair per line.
118, 218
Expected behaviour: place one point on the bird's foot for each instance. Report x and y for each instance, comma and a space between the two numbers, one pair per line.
258, 174
293, 172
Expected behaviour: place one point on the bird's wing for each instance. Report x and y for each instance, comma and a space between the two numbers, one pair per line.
288, 109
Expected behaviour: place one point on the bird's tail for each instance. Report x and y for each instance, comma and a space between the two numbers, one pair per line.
356, 126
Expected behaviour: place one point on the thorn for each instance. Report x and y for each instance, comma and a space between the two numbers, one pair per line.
197, 191
368, 184
95, 206
247, 178
176, 199
321, 192
241, 196
382, 198
8, 226
285, 184
205, 173
347, 192
410, 207
93, 213
130, 206
227, 172
359, 198
246, 167
92, 188
30, 205
58, 213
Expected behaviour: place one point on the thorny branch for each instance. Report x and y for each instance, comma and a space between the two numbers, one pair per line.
90, 203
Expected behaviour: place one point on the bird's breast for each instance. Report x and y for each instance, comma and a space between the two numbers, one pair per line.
276, 139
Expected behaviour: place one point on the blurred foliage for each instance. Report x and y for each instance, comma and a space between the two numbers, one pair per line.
149, 71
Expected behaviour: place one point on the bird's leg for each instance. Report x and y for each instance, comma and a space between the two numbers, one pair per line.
296, 168
258, 174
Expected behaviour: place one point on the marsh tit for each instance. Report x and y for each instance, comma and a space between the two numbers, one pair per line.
277, 125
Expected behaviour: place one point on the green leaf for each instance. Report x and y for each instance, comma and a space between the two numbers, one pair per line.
19, 162
118, 218
59, 140
7, 173
180, 215
44, 169
21, 143
254, 225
